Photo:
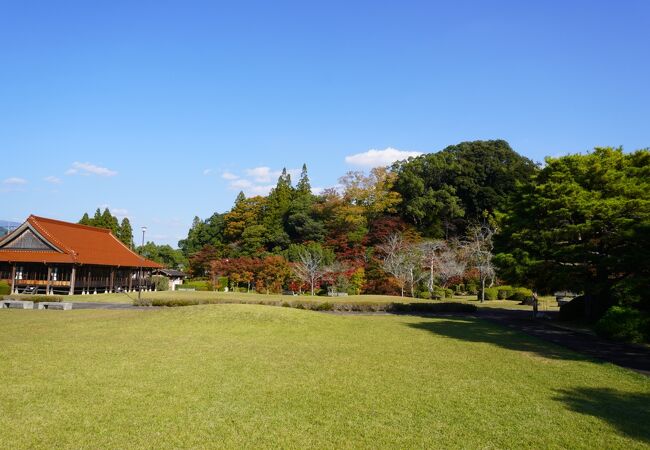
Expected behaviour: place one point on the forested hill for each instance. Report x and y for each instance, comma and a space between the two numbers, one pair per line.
435, 195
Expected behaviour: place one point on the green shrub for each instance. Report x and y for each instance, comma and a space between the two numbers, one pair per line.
520, 294
325, 306
458, 288
438, 292
490, 293
161, 282
472, 288
425, 295
5, 288
624, 324
199, 285
222, 283
39, 298
449, 293
504, 292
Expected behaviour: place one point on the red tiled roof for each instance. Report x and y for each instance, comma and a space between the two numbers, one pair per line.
78, 244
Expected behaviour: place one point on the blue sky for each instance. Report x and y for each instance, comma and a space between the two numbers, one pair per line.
162, 110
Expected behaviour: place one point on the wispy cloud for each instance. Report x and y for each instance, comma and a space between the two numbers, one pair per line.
14, 181
207, 172
120, 213
377, 158
229, 176
89, 169
53, 179
256, 181
262, 174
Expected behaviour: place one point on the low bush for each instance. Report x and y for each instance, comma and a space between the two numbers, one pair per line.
5, 287
161, 282
199, 285
325, 306
39, 298
439, 292
490, 293
504, 292
520, 294
624, 324
425, 295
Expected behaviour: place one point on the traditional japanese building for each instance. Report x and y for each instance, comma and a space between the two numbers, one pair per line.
54, 257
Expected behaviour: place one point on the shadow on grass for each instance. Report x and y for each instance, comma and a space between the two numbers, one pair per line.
476, 330
628, 412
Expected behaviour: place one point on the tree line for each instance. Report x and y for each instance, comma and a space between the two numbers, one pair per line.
464, 218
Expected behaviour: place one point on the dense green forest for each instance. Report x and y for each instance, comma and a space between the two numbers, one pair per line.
464, 219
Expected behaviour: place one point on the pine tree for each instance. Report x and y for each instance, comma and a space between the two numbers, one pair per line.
125, 233
279, 203
110, 222
85, 220
303, 187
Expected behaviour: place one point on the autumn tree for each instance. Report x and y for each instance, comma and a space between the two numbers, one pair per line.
479, 245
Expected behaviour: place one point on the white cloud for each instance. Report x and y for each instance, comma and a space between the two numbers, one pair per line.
378, 158
120, 213
15, 180
207, 172
241, 184
53, 180
259, 189
262, 174
229, 176
89, 169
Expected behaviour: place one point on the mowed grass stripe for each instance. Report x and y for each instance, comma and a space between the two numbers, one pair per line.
254, 376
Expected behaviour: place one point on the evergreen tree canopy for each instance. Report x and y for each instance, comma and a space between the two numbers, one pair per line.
443, 192
583, 225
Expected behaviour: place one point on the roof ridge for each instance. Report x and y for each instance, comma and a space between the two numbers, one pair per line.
72, 224
35, 222
128, 249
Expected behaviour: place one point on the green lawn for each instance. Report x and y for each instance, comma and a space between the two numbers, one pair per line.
239, 297
257, 377
546, 303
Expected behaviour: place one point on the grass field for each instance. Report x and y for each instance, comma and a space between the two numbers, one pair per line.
256, 377
546, 303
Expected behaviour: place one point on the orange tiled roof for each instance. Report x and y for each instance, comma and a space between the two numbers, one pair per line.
78, 244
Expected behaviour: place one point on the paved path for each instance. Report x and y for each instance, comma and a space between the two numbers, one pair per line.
630, 356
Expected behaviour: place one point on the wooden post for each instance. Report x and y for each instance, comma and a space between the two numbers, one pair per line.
87, 279
13, 278
130, 280
112, 282
48, 285
73, 274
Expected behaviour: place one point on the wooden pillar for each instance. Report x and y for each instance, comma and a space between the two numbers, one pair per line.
130, 280
73, 275
112, 281
87, 279
48, 285
13, 278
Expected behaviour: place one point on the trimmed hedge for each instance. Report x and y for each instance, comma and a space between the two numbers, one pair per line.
490, 293
5, 288
198, 285
624, 324
403, 308
520, 294
39, 298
